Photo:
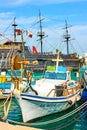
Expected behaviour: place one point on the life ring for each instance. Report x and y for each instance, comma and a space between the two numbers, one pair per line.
35, 62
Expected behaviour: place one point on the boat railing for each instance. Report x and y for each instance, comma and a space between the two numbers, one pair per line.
62, 91
9, 47
51, 92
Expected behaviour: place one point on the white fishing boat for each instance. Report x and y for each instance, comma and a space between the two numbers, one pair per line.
54, 93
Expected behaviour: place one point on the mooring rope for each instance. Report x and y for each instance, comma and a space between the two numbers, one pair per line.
2, 104
8, 107
53, 120
6, 110
68, 123
63, 125
5, 100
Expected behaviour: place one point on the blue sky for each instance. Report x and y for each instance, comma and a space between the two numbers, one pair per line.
54, 12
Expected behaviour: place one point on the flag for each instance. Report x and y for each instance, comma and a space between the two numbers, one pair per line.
34, 50
18, 31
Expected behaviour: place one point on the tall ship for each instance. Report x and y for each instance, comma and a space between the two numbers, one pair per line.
9, 48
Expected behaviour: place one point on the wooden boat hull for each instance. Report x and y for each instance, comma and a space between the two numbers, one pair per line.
33, 107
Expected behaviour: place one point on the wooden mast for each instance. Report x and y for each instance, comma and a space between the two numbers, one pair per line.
67, 37
14, 25
41, 34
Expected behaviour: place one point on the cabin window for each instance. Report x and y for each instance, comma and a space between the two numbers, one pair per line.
61, 76
53, 75
50, 75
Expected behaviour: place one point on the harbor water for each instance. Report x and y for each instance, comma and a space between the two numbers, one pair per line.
74, 118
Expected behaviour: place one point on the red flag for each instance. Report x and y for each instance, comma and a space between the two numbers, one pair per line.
34, 50
18, 31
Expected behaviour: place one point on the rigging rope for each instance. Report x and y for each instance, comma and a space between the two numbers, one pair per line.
53, 120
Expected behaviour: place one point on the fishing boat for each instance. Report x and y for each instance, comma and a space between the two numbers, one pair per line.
55, 92
59, 94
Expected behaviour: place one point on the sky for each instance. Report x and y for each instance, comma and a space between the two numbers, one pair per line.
54, 15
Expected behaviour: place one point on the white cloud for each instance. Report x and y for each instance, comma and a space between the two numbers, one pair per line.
11, 3
6, 15
5, 19
18, 2
54, 1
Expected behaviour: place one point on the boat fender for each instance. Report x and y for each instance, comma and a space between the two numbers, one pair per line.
70, 102
85, 79
84, 95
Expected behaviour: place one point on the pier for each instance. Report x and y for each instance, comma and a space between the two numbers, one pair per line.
7, 126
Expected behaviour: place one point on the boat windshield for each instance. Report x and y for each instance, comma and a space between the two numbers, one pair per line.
54, 75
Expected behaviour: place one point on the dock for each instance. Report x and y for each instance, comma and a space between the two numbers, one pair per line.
7, 126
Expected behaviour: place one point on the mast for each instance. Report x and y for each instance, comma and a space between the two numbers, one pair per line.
67, 37
41, 34
14, 25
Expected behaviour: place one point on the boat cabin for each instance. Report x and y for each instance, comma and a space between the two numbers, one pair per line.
56, 76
